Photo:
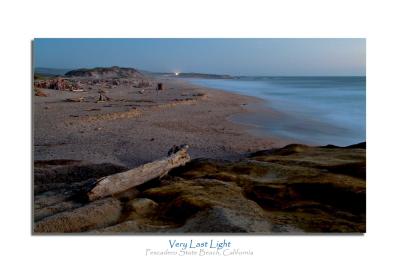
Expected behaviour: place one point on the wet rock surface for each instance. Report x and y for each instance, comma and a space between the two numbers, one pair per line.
294, 189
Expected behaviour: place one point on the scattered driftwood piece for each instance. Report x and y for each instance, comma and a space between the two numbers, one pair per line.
103, 98
40, 93
74, 100
116, 183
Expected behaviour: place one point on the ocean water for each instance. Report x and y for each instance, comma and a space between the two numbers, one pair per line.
310, 110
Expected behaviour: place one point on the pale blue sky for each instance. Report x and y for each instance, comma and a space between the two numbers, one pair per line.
220, 56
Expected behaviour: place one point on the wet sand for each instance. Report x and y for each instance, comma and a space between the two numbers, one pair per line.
134, 128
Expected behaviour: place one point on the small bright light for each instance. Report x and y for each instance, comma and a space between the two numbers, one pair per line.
177, 73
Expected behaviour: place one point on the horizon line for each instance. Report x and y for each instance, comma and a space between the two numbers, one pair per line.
237, 75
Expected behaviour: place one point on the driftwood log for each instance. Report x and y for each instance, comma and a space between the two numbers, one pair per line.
113, 184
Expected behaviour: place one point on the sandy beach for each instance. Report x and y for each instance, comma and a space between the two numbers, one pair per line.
119, 151
137, 126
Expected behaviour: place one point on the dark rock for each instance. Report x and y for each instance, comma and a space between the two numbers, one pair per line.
143, 206
98, 214
293, 189
222, 220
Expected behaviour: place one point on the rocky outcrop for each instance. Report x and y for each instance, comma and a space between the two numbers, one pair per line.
97, 214
292, 189
143, 206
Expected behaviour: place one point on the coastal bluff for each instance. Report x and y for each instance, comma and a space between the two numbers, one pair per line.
294, 189
106, 72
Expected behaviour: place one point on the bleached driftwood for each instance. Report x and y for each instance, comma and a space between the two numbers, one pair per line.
119, 182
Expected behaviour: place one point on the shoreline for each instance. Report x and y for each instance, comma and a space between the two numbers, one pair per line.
287, 113
142, 127
255, 106
256, 109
